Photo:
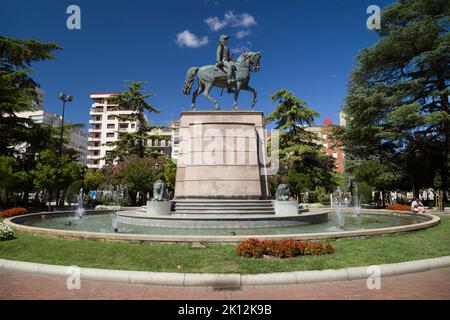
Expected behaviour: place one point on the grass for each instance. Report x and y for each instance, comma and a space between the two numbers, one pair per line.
432, 242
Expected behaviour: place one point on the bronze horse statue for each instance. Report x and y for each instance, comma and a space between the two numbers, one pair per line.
210, 76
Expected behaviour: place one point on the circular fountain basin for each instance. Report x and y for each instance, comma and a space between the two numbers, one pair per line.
221, 221
98, 225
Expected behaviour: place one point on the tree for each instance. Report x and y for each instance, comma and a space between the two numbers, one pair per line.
169, 174
17, 88
92, 179
138, 175
397, 103
8, 179
134, 143
53, 173
302, 165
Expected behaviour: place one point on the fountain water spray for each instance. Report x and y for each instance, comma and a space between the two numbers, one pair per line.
117, 196
356, 202
337, 205
80, 210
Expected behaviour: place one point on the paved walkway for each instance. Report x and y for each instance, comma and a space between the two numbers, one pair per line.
433, 284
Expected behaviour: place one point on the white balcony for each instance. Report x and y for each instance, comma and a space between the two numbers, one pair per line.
95, 129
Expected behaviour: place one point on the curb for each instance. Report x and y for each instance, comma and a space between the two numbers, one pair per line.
225, 280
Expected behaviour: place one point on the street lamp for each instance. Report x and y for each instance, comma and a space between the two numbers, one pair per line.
64, 98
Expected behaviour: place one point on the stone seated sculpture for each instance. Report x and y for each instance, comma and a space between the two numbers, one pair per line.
159, 191
283, 193
283, 206
159, 205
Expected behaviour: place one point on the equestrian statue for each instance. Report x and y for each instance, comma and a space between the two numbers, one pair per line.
225, 74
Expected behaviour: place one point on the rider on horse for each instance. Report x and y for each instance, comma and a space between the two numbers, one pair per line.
224, 61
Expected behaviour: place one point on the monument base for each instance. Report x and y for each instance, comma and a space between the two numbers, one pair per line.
158, 208
221, 156
286, 208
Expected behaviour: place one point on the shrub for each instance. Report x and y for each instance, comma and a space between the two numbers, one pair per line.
13, 212
254, 248
399, 207
6, 233
364, 192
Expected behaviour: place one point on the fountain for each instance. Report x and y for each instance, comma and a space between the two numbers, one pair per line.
80, 210
337, 205
356, 202
116, 201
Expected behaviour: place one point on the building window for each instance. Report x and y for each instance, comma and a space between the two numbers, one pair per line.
110, 117
110, 126
110, 135
133, 125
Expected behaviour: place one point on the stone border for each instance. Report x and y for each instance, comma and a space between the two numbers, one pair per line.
225, 280
431, 220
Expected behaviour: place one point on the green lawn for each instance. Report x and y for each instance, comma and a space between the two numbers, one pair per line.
433, 242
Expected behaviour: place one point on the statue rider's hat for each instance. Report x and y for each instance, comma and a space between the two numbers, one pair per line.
224, 37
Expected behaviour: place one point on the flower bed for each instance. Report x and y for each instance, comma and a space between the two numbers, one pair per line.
254, 248
13, 212
398, 207
6, 233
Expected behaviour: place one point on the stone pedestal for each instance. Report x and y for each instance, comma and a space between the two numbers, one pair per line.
221, 156
286, 208
158, 208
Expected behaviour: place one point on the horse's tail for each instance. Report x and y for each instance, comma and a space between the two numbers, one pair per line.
189, 81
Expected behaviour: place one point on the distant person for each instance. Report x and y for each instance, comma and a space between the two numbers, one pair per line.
417, 206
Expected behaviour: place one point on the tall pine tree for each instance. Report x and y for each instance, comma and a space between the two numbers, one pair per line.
397, 103
17, 88
134, 143
302, 165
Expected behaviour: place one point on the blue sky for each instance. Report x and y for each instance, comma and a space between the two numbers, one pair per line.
307, 47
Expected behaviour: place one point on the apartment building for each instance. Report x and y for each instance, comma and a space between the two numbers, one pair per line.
175, 131
163, 144
105, 127
329, 145
78, 139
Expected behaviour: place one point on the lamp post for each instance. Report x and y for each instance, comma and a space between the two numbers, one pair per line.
64, 98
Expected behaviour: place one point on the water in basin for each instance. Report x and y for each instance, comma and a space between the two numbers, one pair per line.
105, 223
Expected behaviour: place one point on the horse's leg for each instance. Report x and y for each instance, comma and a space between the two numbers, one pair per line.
195, 94
236, 95
205, 92
252, 90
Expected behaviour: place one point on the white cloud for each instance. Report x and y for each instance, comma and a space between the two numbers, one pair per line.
215, 24
243, 33
230, 19
190, 40
243, 20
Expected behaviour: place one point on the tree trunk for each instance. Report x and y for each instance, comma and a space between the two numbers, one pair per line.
49, 198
